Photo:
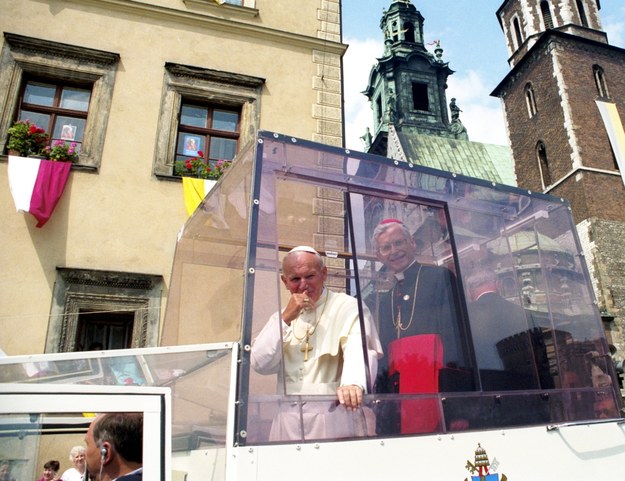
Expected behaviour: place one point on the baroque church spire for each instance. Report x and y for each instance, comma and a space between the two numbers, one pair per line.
407, 86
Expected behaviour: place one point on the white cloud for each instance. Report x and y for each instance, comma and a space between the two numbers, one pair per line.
482, 114
614, 25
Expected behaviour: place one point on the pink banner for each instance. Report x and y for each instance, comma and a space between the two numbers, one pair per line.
49, 186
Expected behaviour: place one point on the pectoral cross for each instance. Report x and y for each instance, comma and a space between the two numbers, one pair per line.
306, 348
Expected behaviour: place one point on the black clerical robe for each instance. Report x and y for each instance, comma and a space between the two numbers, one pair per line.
424, 302
428, 305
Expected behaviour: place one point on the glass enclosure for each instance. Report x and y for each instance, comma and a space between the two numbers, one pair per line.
199, 378
478, 293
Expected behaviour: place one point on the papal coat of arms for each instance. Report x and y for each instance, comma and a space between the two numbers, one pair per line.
481, 467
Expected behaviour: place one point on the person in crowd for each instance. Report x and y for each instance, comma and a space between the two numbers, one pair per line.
77, 472
5, 471
319, 334
115, 447
50, 470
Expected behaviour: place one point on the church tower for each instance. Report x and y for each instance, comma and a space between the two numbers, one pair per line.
407, 85
563, 99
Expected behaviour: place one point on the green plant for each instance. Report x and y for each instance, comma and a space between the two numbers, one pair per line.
62, 151
27, 138
200, 168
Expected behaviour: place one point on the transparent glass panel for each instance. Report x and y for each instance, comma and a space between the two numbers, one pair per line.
69, 128
41, 120
39, 94
75, 99
222, 149
189, 145
194, 116
212, 253
480, 289
199, 380
276, 419
20, 447
225, 120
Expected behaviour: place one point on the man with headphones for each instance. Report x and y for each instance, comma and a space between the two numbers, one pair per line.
115, 447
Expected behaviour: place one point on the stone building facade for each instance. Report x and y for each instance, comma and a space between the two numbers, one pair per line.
100, 268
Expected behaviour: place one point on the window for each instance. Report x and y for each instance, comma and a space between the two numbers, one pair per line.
516, 27
245, 7
600, 83
66, 88
530, 100
116, 310
60, 108
205, 110
207, 131
104, 330
546, 12
395, 32
582, 13
409, 32
420, 96
543, 164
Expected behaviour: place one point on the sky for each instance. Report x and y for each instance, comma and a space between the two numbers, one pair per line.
473, 44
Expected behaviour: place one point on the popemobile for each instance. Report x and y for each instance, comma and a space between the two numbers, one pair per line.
509, 377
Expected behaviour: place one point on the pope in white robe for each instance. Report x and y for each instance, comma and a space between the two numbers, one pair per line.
319, 334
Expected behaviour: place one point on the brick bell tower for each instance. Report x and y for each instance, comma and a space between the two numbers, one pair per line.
563, 100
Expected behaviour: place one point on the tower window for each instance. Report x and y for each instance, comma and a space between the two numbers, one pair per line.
420, 96
516, 27
543, 164
530, 100
409, 32
378, 108
546, 12
600, 83
395, 32
582, 13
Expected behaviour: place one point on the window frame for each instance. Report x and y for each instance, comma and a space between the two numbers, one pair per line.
420, 92
600, 82
517, 32
543, 164
208, 133
31, 57
92, 290
54, 111
546, 16
530, 100
206, 86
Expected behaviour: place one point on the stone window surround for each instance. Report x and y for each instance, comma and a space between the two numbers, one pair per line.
26, 55
543, 164
530, 100
78, 290
206, 85
516, 32
600, 82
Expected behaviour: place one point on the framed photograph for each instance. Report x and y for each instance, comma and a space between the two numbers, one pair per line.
191, 145
68, 132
